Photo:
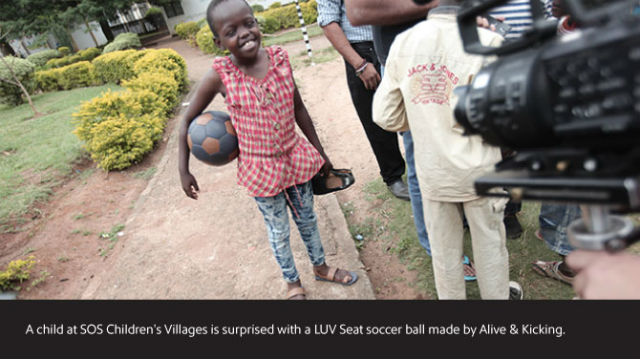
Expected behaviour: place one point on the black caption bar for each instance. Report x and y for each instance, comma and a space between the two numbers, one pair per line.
390, 329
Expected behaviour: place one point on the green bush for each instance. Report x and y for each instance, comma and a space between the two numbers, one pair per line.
127, 40
285, 17
202, 22
48, 80
257, 8
17, 271
83, 55
164, 60
80, 74
204, 39
187, 30
162, 83
275, 5
24, 70
119, 128
88, 54
117, 66
268, 25
309, 11
40, 58
64, 50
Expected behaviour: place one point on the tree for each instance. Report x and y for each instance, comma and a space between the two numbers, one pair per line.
16, 82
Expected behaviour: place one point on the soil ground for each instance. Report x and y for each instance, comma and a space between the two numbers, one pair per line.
158, 250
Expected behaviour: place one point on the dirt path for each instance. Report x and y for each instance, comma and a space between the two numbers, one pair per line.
174, 247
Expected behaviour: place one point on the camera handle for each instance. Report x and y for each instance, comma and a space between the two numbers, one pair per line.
600, 230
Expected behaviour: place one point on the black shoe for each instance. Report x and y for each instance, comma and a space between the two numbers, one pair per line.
515, 291
513, 227
399, 189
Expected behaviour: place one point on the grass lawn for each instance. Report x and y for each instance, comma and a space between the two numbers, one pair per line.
291, 35
393, 224
35, 154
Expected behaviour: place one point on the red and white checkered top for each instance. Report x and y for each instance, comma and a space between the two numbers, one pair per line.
272, 155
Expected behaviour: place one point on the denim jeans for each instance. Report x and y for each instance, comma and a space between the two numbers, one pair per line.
274, 210
414, 192
554, 220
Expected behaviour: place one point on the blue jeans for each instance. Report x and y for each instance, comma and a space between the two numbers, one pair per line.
414, 189
274, 210
554, 220
414, 192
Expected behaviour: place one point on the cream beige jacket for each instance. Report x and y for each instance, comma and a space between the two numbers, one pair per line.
425, 64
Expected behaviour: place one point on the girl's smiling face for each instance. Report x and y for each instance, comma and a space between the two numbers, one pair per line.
237, 29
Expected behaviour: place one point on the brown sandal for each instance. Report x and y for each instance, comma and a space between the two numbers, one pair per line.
551, 270
296, 291
331, 277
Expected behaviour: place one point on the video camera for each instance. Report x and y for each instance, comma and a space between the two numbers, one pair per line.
570, 107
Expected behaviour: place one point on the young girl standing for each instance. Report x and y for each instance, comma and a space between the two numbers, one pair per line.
275, 164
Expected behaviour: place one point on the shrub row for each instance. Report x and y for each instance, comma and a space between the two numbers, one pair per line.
23, 69
82, 55
119, 128
40, 58
284, 17
127, 40
204, 39
80, 74
187, 31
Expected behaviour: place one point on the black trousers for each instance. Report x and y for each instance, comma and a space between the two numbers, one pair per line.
383, 143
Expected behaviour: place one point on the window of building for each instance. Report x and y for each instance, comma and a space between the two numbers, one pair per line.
173, 9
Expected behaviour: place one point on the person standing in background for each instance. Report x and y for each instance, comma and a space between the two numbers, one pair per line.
355, 44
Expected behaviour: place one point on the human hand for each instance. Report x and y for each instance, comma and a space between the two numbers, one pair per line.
484, 22
602, 275
189, 185
327, 167
370, 77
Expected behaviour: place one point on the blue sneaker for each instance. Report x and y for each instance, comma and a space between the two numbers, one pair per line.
467, 261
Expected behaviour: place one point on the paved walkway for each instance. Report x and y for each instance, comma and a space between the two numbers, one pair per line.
215, 247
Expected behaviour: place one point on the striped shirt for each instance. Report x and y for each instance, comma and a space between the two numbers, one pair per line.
272, 155
517, 14
334, 11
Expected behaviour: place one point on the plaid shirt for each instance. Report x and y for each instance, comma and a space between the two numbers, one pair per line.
272, 155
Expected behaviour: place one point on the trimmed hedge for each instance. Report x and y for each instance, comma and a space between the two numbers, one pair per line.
162, 83
83, 55
284, 17
127, 40
167, 60
117, 66
80, 74
24, 70
64, 50
40, 58
187, 31
204, 39
119, 128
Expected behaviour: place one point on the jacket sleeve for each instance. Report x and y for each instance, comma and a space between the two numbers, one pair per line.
389, 111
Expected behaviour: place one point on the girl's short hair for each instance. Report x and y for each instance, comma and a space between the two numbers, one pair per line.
212, 5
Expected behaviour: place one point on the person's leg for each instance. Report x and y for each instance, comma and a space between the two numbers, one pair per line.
554, 221
511, 222
488, 240
414, 193
383, 143
274, 211
444, 223
301, 206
